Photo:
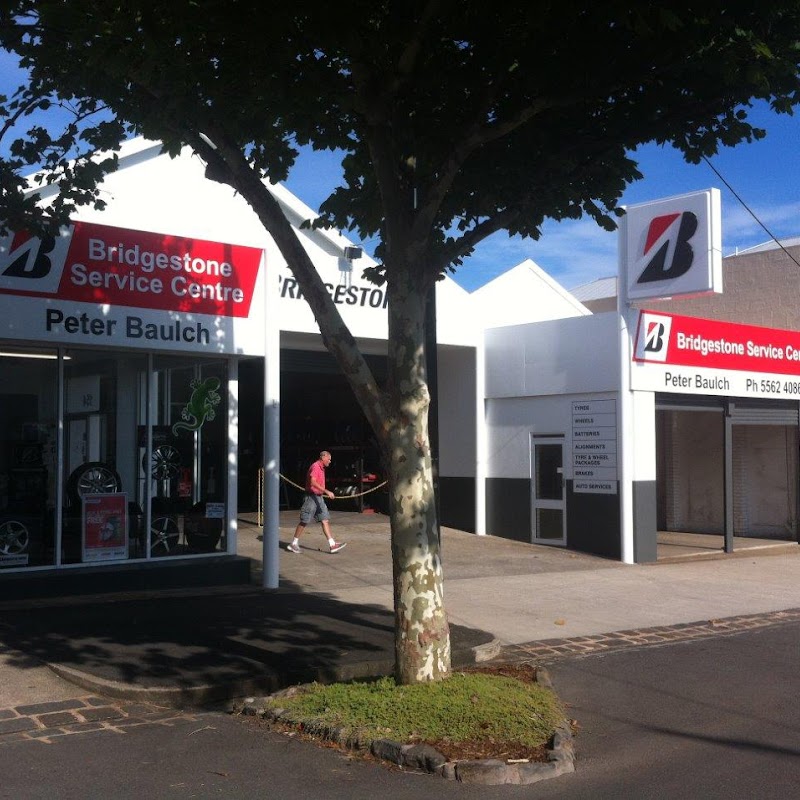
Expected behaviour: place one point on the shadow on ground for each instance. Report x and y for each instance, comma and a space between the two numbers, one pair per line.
232, 642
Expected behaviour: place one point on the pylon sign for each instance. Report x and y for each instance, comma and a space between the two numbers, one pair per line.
674, 247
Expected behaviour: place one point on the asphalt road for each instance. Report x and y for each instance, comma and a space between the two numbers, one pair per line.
715, 718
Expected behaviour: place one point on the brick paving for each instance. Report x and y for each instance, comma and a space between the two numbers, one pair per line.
549, 650
47, 723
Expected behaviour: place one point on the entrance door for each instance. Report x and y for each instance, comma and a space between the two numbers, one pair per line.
548, 520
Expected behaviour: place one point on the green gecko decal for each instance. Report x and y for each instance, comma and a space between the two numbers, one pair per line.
200, 408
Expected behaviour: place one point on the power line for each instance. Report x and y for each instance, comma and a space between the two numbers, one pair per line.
750, 211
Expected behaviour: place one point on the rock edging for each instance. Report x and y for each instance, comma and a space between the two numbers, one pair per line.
423, 757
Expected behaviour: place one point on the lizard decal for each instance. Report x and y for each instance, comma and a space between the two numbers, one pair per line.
200, 408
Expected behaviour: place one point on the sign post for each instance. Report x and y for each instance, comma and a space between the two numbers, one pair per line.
667, 248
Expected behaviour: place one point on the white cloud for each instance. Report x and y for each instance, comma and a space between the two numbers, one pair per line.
572, 252
740, 230
577, 252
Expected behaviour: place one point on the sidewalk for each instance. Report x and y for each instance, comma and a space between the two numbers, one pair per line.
332, 617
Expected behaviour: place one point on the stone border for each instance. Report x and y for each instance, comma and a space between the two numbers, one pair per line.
549, 651
423, 757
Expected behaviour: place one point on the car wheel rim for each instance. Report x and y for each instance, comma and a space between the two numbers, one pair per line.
166, 462
164, 536
97, 481
13, 538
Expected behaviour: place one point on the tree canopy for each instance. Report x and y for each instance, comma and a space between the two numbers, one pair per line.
456, 119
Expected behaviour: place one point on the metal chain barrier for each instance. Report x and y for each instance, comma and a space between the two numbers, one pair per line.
260, 520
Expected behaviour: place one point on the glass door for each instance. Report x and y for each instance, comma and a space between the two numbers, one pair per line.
548, 520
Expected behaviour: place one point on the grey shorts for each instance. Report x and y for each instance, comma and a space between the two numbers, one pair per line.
314, 506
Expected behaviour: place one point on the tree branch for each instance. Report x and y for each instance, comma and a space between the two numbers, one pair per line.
22, 111
473, 237
476, 137
227, 164
408, 58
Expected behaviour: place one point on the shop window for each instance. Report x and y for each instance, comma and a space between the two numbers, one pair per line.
144, 437
101, 518
28, 413
186, 473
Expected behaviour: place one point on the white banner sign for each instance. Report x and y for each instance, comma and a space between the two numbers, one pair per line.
692, 355
594, 446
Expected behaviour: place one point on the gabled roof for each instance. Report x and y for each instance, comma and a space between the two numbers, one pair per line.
151, 191
523, 294
599, 289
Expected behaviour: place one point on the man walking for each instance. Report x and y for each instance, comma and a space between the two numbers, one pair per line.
314, 505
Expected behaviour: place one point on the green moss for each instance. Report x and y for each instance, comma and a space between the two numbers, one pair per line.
466, 707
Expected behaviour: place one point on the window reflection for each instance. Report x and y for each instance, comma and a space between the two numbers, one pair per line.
102, 396
28, 431
137, 431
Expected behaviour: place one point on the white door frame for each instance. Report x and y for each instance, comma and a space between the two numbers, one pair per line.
552, 496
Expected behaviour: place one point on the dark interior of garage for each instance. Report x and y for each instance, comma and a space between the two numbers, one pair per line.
318, 412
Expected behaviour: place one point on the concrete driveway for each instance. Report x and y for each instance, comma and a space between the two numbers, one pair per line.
523, 592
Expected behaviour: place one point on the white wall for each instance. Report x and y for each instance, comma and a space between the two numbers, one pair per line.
511, 421
576, 355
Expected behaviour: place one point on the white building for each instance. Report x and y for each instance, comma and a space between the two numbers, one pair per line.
134, 353
132, 356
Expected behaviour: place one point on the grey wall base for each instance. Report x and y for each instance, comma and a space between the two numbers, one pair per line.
593, 523
645, 524
457, 503
593, 520
508, 508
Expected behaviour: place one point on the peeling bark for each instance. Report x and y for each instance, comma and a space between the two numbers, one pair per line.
422, 635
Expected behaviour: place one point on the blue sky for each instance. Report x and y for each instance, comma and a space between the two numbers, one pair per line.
765, 174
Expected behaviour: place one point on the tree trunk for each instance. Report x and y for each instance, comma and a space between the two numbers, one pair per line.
399, 418
422, 636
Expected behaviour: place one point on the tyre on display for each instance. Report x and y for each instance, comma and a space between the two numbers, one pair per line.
93, 477
14, 537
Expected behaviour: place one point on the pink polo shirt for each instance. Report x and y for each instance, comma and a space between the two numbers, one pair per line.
316, 472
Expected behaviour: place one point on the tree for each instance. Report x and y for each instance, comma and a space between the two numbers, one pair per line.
456, 120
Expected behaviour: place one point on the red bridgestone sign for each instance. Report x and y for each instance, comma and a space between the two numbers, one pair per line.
696, 342
99, 264
691, 355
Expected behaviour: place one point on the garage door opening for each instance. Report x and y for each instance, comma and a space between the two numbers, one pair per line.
318, 412
725, 468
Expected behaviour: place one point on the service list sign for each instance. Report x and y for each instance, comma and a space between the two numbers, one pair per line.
101, 285
594, 446
691, 355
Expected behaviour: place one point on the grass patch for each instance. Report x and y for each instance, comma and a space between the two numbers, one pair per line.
468, 707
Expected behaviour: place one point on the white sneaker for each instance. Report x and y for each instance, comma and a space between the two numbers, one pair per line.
293, 548
337, 546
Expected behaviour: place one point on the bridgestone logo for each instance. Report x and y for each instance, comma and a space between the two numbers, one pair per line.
654, 337
675, 256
